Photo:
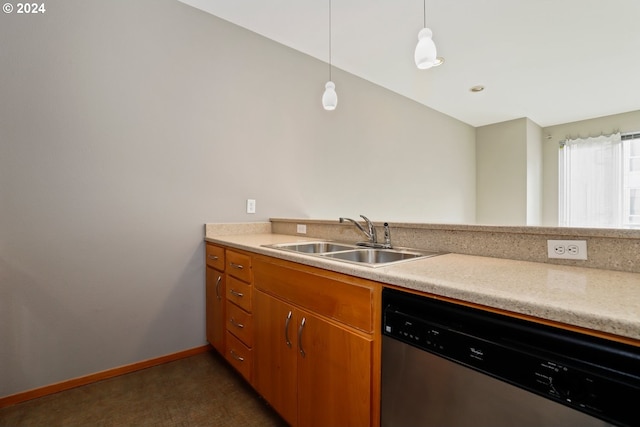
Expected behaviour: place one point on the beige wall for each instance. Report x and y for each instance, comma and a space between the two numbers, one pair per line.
501, 173
534, 174
125, 126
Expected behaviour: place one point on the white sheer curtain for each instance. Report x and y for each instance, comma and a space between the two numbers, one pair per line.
591, 182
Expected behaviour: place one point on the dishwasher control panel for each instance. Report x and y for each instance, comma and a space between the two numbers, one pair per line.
585, 373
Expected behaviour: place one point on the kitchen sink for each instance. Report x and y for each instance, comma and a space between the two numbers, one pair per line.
375, 256
313, 247
370, 257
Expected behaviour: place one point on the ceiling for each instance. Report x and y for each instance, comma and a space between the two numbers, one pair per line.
553, 61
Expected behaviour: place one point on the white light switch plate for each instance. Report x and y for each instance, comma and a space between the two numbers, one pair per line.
251, 206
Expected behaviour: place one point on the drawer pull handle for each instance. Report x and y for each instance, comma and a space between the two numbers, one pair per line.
286, 330
236, 324
218, 287
238, 266
304, 319
235, 356
236, 293
213, 257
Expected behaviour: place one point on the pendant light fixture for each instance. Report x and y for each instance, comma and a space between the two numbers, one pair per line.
330, 97
426, 55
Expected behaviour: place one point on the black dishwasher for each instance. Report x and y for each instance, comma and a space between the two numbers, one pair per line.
445, 364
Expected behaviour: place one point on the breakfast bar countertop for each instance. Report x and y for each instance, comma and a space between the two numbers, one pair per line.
597, 299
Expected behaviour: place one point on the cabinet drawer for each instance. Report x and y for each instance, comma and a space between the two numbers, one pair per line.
239, 293
239, 356
215, 256
239, 265
239, 323
345, 302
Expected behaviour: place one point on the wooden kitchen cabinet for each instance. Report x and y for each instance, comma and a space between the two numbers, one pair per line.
240, 323
238, 312
276, 367
314, 346
334, 375
215, 299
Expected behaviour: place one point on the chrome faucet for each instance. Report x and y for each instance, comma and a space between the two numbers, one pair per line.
371, 233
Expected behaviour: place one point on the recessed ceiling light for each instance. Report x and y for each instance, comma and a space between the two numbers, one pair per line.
476, 89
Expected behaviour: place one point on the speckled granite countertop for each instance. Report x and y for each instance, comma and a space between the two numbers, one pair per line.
603, 300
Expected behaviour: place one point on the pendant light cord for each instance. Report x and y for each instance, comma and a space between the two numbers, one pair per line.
424, 11
329, 40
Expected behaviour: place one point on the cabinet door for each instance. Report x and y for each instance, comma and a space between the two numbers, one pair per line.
275, 354
215, 302
334, 375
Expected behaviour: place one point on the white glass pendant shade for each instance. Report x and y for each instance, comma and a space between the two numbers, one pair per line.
330, 97
426, 55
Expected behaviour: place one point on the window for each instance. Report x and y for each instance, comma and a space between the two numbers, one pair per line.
600, 182
631, 180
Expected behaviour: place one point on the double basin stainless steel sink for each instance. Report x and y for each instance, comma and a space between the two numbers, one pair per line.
371, 257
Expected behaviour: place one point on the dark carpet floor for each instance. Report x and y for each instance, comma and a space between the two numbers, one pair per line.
200, 390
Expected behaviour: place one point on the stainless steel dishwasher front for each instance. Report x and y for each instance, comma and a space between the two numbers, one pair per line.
448, 365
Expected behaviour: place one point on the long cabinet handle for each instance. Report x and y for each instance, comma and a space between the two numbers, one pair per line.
213, 257
236, 293
218, 287
236, 324
286, 329
238, 266
304, 319
236, 356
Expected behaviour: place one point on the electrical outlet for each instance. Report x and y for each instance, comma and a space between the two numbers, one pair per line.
567, 249
301, 228
251, 206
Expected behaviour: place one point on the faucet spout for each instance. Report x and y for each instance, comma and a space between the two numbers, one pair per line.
370, 232
357, 225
